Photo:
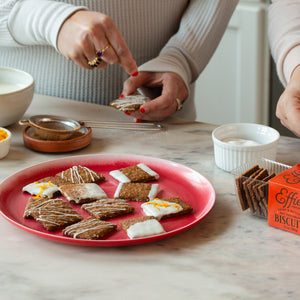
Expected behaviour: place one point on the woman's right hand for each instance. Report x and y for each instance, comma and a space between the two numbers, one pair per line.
85, 33
288, 106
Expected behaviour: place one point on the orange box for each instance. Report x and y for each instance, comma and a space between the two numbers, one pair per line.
284, 200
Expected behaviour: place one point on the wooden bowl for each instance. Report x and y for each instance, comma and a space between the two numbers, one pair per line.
78, 140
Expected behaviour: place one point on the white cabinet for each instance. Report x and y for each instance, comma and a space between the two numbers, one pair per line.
234, 86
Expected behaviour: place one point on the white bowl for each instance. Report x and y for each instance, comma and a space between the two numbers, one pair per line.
239, 143
16, 93
5, 144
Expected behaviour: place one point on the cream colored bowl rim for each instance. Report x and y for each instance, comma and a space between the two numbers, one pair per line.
28, 86
219, 142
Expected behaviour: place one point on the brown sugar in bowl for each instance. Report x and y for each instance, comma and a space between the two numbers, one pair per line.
77, 141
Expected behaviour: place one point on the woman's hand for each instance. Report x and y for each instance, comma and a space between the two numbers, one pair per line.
85, 33
166, 104
288, 106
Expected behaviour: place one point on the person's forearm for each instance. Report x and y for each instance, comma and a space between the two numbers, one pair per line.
190, 49
35, 22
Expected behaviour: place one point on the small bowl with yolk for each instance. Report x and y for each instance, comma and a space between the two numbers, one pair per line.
5, 137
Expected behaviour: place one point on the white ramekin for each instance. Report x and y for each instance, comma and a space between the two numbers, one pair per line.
230, 156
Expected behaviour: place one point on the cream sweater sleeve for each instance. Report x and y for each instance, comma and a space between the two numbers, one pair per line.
32, 22
190, 49
284, 36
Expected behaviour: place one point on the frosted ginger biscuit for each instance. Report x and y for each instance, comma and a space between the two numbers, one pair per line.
166, 208
32, 204
89, 229
141, 227
82, 192
55, 214
136, 191
108, 208
138, 173
42, 188
79, 174
129, 103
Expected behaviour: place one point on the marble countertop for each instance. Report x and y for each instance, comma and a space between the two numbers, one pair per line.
227, 255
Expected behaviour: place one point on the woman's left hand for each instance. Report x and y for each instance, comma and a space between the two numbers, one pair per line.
166, 104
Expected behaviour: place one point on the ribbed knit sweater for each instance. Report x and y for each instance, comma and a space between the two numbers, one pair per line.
163, 35
284, 36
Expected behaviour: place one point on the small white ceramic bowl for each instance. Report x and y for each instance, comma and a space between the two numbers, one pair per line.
239, 143
16, 93
4, 143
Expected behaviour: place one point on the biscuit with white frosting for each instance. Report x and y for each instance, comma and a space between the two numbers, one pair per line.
136, 191
79, 174
82, 192
166, 208
138, 173
142, 227
108, 208
130, 103
89, 229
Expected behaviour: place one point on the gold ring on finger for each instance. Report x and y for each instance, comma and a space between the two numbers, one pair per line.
100, 53
95, 62
179, 105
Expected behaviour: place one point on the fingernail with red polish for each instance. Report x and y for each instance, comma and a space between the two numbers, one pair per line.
127, 113
135, 74
142, 110
121, 96
137, 120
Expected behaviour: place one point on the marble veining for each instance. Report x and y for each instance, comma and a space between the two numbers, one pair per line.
228, 255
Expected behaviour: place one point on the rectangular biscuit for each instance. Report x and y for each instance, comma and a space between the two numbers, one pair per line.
130, 103
138, 173
82, 192
166, 208
32, 204
239, 185
79, 174
89, 229
136, 191
141, 227
42, 188
55, 214
108, 208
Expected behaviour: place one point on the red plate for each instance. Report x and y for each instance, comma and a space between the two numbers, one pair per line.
175, 180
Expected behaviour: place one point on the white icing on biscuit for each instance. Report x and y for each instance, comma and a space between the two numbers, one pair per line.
145, 228
153, 191
159, 208
118, 175
42, 189
148, 170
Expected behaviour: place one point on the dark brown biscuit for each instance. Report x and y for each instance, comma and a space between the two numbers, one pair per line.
246, 191
89, 229
79, 174
136, 191
108, 208
55, 214
239, 185
262, 174
129, 103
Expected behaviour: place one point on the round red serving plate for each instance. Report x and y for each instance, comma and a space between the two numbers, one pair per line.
175, 180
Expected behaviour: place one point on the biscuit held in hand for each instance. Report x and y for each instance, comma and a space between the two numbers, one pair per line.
130, 103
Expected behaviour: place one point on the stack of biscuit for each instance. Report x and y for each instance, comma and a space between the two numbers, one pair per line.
252, 190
